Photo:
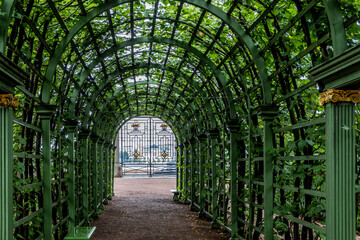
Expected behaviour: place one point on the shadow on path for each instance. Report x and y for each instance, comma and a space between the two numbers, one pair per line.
142, 208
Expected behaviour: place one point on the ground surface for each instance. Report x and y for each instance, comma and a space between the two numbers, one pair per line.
142, 208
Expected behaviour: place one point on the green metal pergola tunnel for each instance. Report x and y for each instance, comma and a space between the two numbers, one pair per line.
262, 97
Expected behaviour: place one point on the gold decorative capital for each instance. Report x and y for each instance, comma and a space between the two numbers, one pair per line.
8, 100
334, 96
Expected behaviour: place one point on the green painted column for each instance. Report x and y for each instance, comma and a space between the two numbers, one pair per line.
181, 167
178, 154
7, 101
109, 174
11, 76
340, 72
268, 113
234, 128
106, 172
213, 133
84, 138
112, 171
90, 183
94, 141
71, 128
340, 163
186, 168
111, 166
45, 112
201, 176
192, 175
101, 174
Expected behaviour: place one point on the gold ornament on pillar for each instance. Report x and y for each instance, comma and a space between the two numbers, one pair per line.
335, 95
136, 154
8, 100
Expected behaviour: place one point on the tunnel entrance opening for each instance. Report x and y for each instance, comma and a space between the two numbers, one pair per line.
147, 146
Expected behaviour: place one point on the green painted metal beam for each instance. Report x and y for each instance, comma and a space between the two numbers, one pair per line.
6, 9
337, 29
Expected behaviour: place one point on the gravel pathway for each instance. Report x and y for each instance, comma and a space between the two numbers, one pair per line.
142, 208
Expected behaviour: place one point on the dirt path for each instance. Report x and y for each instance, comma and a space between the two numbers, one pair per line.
142, 208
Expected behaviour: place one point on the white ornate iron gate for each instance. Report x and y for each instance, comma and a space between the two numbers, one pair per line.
147, 146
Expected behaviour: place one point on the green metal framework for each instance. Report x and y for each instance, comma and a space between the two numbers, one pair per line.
237, 81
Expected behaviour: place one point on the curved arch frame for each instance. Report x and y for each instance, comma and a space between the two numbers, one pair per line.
157, 66
219, 75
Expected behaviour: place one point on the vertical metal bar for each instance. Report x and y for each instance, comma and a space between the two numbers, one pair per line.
71, 128
77, 181
268, 113
186, 169
6, 173
192, 175
234, 128
85, 176
111, 166
208, 171
250, 172
45, 112
45, 126
150, 146
106, 170
214, 178
117, 153
122, 145
90, 171
201, 157
181, 167
60, 169
112, 176
101, 177
94, 140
